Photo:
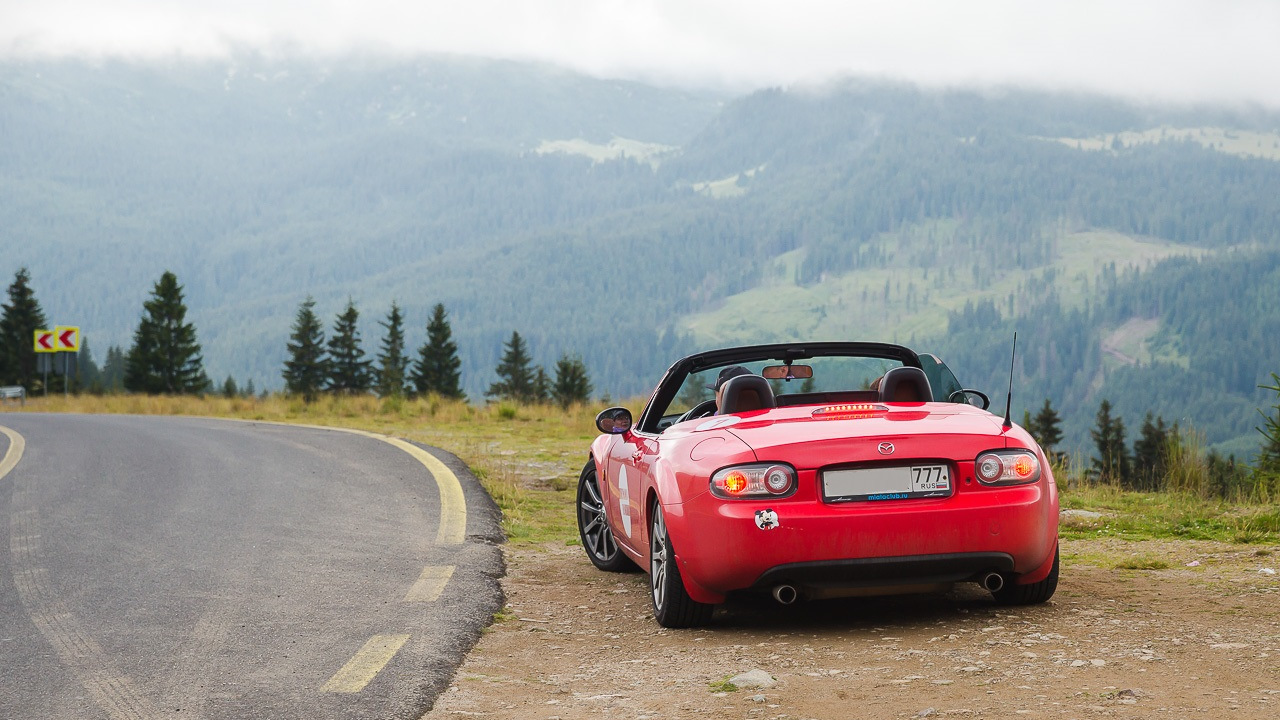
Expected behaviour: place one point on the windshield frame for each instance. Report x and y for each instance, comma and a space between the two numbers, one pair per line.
784, 353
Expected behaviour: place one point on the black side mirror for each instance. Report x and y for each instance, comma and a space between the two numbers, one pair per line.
614, 421
976, 398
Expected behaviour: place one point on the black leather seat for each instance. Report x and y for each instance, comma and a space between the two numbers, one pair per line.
905, 384
746, 392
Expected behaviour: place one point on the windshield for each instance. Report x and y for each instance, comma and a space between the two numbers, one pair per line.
830, 374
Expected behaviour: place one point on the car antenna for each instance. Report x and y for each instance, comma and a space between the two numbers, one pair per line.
1008, 403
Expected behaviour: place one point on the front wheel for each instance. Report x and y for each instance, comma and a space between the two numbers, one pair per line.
1033, 594
672, 606
593, 526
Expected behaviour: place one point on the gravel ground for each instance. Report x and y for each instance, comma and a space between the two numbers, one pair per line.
1199, 638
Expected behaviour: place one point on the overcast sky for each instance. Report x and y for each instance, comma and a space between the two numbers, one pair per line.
1215, 50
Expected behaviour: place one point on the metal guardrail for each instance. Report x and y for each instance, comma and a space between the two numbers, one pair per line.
14, 392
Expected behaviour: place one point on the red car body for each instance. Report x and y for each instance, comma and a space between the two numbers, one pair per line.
805, 542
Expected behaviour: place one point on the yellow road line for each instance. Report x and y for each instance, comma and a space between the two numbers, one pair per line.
430, 584
366, 664
453, 506
14, 453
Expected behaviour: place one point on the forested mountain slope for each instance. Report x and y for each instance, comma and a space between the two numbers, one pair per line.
1134, 248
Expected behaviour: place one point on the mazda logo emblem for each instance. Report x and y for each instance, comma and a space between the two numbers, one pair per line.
885, 448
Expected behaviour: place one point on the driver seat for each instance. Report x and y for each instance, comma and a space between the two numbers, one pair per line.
905, 384
745, 393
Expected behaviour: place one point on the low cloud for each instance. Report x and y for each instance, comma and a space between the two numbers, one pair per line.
1180, 50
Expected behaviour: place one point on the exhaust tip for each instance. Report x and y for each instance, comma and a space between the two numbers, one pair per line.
992, 582
785, 594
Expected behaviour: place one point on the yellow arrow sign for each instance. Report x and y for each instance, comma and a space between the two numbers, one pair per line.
44, 341
66, 338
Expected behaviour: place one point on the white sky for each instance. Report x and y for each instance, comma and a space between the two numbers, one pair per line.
1182, 50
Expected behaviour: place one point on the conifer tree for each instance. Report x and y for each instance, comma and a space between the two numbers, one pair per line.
165, 357
437, 367
113, 370
1149, 459
89, 374
572, 384
393, 364
541, 385
515, 378
1048, 428
349, 372
307, 369
1268, 464
229, 388
248, 389
1112, 462
20, 319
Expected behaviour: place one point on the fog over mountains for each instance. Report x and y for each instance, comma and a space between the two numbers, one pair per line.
1134, 248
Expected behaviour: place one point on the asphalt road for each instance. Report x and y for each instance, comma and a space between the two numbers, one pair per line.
173, 567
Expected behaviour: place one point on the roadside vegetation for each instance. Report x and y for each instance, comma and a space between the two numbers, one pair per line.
528, 458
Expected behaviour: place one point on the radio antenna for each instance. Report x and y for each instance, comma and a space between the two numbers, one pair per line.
1008, 403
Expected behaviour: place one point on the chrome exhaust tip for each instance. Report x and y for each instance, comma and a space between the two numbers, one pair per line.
992, 582
785, 594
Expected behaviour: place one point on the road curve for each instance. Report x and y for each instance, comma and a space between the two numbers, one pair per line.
181, 567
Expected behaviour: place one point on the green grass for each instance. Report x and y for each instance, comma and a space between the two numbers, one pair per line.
1131, 515
722, 686
854, 305
1243, 143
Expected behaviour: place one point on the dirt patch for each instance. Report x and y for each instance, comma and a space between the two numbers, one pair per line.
1200, 638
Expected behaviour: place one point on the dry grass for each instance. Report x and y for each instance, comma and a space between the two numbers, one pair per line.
527, 457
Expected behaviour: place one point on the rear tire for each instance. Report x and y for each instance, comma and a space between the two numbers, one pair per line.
593, 527
1032, 594
672, 606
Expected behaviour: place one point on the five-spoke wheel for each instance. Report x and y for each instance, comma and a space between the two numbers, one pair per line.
593, 526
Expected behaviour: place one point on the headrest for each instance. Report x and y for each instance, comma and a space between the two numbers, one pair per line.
905, 384
746, 392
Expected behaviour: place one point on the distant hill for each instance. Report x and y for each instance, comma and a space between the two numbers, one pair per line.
1134, 248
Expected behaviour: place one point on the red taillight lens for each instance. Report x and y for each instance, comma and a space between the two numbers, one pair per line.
757, 480
1007, 467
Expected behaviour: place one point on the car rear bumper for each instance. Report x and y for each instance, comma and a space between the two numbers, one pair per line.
820, 545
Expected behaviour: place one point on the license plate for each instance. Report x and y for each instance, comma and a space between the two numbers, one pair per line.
886, 483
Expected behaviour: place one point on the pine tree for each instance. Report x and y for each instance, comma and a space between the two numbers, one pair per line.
89, 374
113, 370
572, 384
1149, 460
248, 389
515, 378
229, 388
1048, 428
436, 369
541, 385
1112, 463
165, 357
1029, 424
393, 364
1268, 463
307, 368
20, 319
348, 370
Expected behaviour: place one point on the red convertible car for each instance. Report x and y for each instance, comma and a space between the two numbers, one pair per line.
817, 470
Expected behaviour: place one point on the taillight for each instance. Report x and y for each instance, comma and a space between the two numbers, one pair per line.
1007, 467
849, 411
758, 480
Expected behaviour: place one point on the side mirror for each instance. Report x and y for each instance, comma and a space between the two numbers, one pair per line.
976, 398
614, 421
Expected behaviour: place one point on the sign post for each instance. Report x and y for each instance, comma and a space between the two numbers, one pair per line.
66, 340
44, 343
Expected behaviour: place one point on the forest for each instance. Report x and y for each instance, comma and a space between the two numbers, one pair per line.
1143, 273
